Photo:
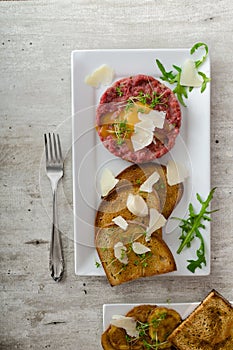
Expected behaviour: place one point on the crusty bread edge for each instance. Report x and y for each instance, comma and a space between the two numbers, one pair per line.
114, 283
213, 293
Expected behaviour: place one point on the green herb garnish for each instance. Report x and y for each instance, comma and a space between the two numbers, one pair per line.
97, 264
145, 99
143, 258
143, 328
118, 91
138, 181
155, 346
121, 131
156, 321
174, 77
191, 228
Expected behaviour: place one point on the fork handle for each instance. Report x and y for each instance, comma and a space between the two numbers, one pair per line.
56, 262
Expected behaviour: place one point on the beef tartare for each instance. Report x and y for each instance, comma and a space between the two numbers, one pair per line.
138, 119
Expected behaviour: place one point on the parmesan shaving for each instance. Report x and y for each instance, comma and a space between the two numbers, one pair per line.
120, 253
102, 75
140, 248
143, 134
147, 185
107, 182
189, 75
136, 205
176, 172
157, 117
121, 222
127, 323
157, 220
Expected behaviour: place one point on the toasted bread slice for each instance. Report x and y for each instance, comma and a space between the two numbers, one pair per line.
158, 260
209, 326
114, 204
164, 197
169, 195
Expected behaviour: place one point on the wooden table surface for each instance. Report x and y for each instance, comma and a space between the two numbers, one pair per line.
37, 38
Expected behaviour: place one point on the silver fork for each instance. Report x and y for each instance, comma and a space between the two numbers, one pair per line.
54, 170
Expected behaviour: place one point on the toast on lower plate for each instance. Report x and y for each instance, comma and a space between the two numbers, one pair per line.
163, 320
208, 327
158, 260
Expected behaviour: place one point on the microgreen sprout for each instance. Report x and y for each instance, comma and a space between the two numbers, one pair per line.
119, 91
146, 99
143, 328
121, 131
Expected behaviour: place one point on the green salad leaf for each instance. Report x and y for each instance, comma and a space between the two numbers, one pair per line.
173, 77
191, 229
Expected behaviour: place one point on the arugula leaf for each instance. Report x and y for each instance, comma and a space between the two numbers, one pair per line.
205, 81
174, 78
191, 229
193, 264
167, 76
196, 47
180, 90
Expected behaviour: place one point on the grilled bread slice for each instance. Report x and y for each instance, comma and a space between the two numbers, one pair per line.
158, 260
114, 204
164, 198
208, 327
169, 195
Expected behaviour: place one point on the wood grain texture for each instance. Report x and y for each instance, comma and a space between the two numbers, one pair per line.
37, 38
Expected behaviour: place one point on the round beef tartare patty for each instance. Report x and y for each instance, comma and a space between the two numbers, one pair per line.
129, 96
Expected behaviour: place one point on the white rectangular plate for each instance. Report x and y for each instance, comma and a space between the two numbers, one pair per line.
184, 309
90, 156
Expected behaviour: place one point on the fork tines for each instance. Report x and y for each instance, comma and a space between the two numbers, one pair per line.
52, 148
